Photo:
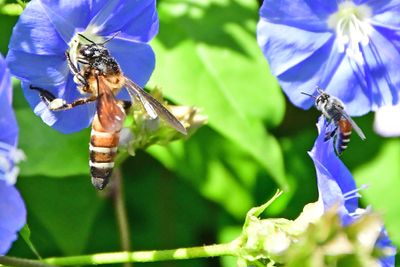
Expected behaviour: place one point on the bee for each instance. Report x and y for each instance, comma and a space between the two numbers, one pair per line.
334, 111
99, 76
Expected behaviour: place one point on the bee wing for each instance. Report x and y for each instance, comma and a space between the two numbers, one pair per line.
152, 106
110, 114
354, 125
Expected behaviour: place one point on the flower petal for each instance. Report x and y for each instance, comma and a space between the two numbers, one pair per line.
35, 33
334, 179
372, 85
12, 215
66, 121
285, 51
66, 16
384, 242
137, 20
38, 69
305, 76
303, 14
380, 7
8, 123
137, 60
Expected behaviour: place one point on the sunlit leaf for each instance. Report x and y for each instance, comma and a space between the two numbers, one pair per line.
207, 56
382, 174
217, 170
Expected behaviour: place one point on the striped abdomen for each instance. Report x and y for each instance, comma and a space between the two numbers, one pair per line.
103, 149
343, 135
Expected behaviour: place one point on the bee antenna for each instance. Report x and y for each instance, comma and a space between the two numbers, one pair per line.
112, 37
319, 89
87, 39
308, 95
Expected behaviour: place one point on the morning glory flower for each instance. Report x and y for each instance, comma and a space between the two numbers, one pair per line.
47, 28
12, 207
350, 48
336, 186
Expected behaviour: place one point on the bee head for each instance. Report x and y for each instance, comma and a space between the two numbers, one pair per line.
322, 99
92, 51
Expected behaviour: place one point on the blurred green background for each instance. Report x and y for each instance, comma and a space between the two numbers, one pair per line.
197, 191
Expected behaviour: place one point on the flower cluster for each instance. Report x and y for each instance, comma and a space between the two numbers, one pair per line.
47, 29
333, 228
350, 48
336, 187
12, 207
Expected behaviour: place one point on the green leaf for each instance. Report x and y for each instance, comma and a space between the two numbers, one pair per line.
66, 209
12, 9
49, 152
26, 235
217, 170
382, 174
207, 56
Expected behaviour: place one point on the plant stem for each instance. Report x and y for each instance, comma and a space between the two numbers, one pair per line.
147, 256
18, 262
120, 211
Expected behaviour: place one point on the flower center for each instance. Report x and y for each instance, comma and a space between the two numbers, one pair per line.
9, 156
352, 26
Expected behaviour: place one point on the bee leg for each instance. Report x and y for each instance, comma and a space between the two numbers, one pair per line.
329, 135
57, 104
78, 77
336, 146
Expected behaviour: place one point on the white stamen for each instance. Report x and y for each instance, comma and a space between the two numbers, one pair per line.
9, 156
353, 29
354, 193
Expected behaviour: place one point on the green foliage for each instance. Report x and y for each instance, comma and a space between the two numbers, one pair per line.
382, 173
230, 94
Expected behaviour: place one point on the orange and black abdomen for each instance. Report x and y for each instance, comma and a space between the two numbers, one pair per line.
344, 134
103, 149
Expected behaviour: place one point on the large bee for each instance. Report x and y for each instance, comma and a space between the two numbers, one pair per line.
333, 110
98, 75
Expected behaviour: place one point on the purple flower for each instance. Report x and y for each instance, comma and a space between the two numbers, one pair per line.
350, 48
47, 28
336, 186
12, 207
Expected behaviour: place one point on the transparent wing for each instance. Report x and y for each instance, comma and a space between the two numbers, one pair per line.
110, 114
353, 123
152, 106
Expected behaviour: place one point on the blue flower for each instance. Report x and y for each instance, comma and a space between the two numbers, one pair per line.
336, 186
47, 28
351, 48
12, 207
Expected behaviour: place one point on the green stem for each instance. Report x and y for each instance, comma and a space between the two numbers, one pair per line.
120, 211
18, 262
228, 249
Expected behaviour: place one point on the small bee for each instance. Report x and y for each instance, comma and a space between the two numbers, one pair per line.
333, 110
98, 75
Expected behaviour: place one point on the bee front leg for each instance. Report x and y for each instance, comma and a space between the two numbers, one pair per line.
329, 135
78, 77
57, 104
